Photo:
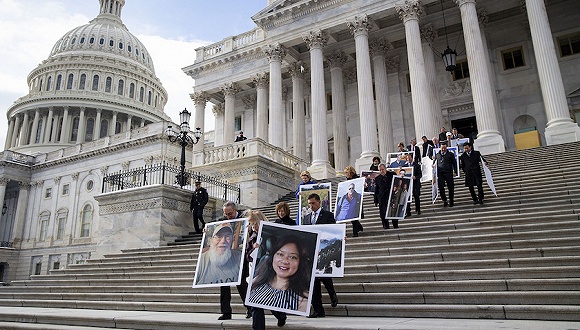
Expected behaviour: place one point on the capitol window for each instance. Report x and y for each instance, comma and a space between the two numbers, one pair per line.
90, 185
58, 82
111, 43
82, 40
108, 83
48, 192
43, 222
120, 45
65, 189
461, 70
120, 87
513, 58
86, 218
92, 40
82, 81
69, 82
48, 84
101, 41
569, 44
129, 48
61, 223
96, 82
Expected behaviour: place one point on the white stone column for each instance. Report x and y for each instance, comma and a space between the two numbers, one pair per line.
218, 112
229, 89
8, 142
378, 50
297, 71
20, 218
261, 83
428, 35
359, 27
81, 132
489, 140
409, 13
97, 127
48, 125
336, 62
199, 100
129, 122
320, 167
560, 127
3, 184
24, 130
275, 53
15, 132
113, 124
32, 137
54, 136
65, 133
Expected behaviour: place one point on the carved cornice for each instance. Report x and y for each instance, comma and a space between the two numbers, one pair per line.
160, 202
462, 2
379, 47
337, 59
288, 11
261, 80
104, 170
428, 33
315, 39
199, 97
297, 70
57, 179
482, 17
125, 165
410, 9
4, 181
24, 185
75, 175
230, 89
275, 52
227, 61
349, 75
359, 25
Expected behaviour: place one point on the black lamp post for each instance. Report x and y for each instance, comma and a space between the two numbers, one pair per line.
183, 137
449, 54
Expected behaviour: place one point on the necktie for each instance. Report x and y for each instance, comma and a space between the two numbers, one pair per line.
314, 218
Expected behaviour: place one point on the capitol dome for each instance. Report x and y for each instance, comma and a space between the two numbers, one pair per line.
98, 80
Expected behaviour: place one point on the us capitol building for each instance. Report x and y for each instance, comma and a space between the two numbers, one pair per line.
316, 85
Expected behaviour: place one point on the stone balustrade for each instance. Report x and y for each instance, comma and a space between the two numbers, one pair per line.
229, 44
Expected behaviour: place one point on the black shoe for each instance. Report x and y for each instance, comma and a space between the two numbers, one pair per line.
475, 202
248, 313
315, 315
225, 317
333, 300
282, 321
354, 234
418, 212
450, 204
445, 204
360, 228
481, 202
408, 214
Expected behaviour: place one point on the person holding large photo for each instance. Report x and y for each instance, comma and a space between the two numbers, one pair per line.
446, 169
382, 190
320, 216
469, 163
306, 179
230, 211
417, 173
219, 263
254, 219
283, 211
349, 205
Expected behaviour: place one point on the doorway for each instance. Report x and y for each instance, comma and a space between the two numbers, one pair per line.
466, 127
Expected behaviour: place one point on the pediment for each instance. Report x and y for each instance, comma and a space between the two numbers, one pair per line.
281, 11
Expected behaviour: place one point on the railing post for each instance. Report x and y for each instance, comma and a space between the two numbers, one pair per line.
163, 173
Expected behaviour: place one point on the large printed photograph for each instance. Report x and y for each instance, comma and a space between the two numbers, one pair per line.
323, 190
349, 200
221, 254
282, 275
330, 259
401, 189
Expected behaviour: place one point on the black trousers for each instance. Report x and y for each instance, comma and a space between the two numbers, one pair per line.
442, 180
259, 319
383, 207
198, 216
226, 292
416, 197
317, 293
479, 196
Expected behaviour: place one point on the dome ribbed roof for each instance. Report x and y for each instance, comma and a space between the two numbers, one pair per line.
106, 33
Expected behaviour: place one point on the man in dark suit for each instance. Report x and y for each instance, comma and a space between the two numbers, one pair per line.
443, 135
417, 174
320, 216
427, 147
198, 201
414, 147
446, 169
469, 163
382, 190
230, 210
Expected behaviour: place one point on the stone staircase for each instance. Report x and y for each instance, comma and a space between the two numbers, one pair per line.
516, 257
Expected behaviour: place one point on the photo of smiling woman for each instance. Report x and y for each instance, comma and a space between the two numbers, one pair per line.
283, 276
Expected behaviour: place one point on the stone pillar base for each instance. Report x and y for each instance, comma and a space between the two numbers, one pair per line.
150, 216
364, 163
563, 133
322, 171
489, 144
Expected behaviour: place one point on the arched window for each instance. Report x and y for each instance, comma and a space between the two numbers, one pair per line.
111, 43
40, 86
92, 40
104, 128
96, 82
120, 87
49, 83
75, 129
61, 217
132, 90
90, 128
102, 41
43, 221
69, 82
149, 97
86, 219
117, 127
141, 92
58, 82
120, 45
83, 81
108, 84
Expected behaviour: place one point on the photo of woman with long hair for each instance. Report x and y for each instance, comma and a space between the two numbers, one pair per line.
282, 278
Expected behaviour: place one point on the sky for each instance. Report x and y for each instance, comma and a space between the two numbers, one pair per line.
171, 30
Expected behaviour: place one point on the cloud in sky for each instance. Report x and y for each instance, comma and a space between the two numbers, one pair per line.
170, 29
